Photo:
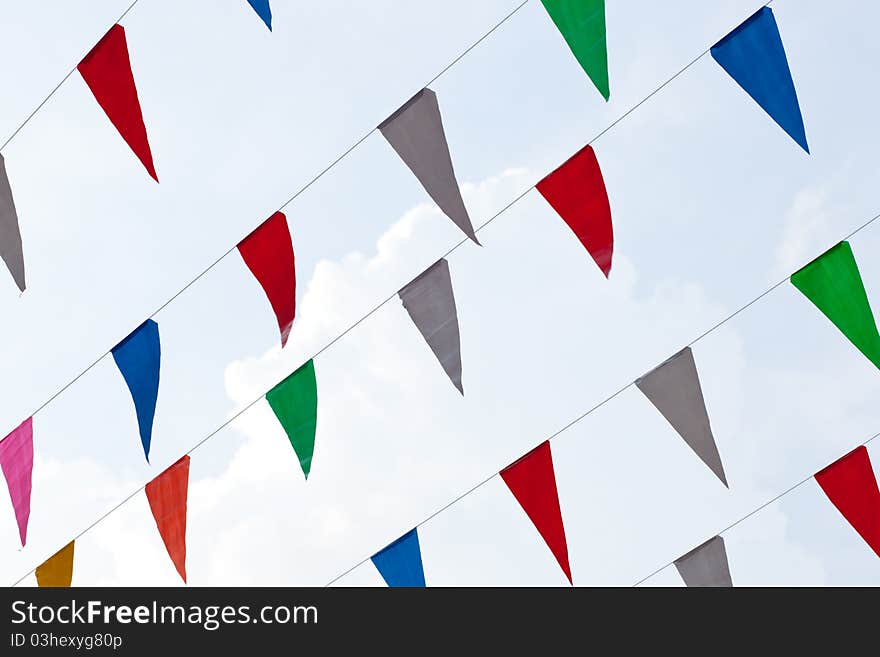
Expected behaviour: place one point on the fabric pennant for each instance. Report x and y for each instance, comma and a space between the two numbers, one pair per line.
137, 358
415, 132
582, 24
264, 11
167, 495
400, 563
295, 403
674, 389
576, 190
851, 486
430, 302
107, 72
268, 253
533, 483
833, 284
17, 463
57, 570
753, 55
10, 233
706, 565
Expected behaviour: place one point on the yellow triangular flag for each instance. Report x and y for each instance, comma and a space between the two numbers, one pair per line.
57, 570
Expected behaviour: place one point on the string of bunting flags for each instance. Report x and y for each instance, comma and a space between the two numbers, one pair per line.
752, 55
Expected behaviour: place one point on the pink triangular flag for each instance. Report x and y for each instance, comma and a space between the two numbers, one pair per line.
17, 462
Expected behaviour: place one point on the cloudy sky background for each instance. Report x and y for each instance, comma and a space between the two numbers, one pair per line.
712, 204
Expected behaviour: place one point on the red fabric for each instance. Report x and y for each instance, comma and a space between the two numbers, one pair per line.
268, 253
167, 497
851, 486
533, 484
576, 191
107, 72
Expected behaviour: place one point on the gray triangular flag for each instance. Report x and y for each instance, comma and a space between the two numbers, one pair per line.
10, 235
705, 565
415, 131
674, 388
430, 303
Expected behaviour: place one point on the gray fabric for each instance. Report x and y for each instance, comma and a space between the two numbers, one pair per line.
706, 565
10, 235
674, 388
415, 131
431, 304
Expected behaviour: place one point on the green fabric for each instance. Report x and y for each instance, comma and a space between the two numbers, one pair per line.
582, 24
295, 403
832, 282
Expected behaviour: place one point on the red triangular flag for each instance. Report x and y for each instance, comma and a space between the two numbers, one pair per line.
851, 486
533, 484
167, 497
268, 253
576, 191
107, 72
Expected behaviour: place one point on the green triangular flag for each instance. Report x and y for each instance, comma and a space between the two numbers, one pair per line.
832, 282
295, 403
582, 24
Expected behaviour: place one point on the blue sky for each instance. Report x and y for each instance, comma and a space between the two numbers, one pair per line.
712, 204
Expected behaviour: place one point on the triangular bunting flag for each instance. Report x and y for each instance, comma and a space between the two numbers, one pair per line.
57, 570
400, 563
431, 304
674, 389
753, 55
415, 132
533, 483
851, 486
17, 463
706, 565
137, 357
833, 283
107, 72
295, 403
582, 24
577, 192
167, 495
268, 253
263, 10
10, 233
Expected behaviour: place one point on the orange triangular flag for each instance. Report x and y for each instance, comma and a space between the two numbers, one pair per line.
57, 570
167, 497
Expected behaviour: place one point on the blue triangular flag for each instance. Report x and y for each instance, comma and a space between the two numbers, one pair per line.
263, 11
137, 357
400, 564
754, 57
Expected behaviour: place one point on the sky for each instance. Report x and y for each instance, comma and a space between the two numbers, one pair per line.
712, 205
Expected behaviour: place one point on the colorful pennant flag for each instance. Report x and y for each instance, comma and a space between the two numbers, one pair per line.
107, 72
268, 253
415, 132
674, 389
833, 283
533, 483
295, 403
137, 357
851, 486
167, 495
57, 570
400, 563
753, 55
17, 463
582, 24
263, 10
577, 192
706, 565
430, 302
10, 233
